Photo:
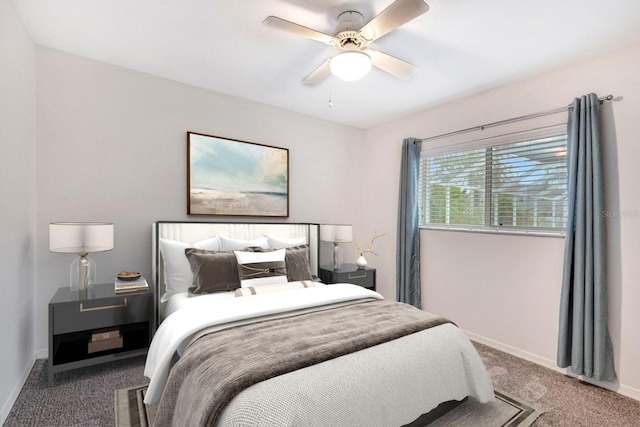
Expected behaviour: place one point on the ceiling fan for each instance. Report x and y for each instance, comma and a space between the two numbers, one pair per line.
352, 39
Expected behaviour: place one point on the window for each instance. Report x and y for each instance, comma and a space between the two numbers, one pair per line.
515, 184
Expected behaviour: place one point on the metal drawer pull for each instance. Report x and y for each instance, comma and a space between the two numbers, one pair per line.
357, 277
105, 307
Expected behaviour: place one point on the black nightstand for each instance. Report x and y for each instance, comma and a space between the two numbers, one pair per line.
350, 273
75, 321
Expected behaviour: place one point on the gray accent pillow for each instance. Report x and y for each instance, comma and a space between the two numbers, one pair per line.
297, 260
212, 271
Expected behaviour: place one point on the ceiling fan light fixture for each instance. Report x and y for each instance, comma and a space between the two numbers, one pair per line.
350, 65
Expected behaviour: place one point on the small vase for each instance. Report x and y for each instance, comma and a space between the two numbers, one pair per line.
361, 262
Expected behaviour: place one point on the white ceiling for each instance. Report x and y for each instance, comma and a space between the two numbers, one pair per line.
461, 46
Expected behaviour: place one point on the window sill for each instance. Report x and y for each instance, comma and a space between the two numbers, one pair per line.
541, 233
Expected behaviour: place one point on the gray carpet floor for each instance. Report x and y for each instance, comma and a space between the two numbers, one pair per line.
84, 397
565, 401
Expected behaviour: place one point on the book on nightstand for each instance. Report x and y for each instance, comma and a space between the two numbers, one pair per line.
105, 334
105, 339
125, 286
102, 345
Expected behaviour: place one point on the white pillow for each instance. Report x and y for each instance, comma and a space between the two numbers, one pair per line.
258, 265
273, 288
210, 244
280, 242
177, 271
251, 257
229, 244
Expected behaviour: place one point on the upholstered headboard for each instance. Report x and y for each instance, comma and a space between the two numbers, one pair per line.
190, 232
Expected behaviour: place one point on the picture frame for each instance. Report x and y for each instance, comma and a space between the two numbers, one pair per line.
229, 177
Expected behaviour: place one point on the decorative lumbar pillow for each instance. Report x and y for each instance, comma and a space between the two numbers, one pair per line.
210, 244
279, 242
261, 281
212, 271
251, 290
229, 244
177, 272
297, 260
252, 265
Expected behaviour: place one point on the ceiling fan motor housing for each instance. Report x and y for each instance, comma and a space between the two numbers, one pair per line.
350, 20
347, 34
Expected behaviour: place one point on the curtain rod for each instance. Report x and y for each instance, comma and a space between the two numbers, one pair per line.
507, 121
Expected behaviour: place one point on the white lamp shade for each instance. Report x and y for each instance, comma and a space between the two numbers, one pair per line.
79, 237
350, 65
336, 233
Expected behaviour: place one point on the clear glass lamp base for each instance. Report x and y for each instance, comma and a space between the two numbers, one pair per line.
336, 257
82, 273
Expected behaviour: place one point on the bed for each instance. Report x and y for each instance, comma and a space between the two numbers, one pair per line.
271, 345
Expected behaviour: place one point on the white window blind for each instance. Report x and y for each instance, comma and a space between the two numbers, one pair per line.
514, 184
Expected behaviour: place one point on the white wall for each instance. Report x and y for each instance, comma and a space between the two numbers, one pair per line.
504, 290
112, 147
18, 198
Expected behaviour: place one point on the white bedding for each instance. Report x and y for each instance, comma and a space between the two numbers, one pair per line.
181, 299
191, 315
388, 384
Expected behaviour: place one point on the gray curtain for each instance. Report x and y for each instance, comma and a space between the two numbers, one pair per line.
408, 254
583, 339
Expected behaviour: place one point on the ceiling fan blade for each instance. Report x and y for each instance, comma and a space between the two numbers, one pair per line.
291, 27
394, 66
319, 74
397, 14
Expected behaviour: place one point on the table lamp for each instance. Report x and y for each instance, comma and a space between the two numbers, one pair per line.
81, 238
336, 234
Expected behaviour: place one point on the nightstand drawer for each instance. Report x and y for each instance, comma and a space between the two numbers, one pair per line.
359, 277
85, 315
350, 273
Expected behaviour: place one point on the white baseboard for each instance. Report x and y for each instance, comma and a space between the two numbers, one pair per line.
631, 392
43, 353
551, 364
13, 396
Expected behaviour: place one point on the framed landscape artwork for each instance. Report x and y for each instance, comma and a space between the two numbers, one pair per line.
236, 178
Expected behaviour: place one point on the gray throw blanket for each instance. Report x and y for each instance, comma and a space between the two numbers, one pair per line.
218, 366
